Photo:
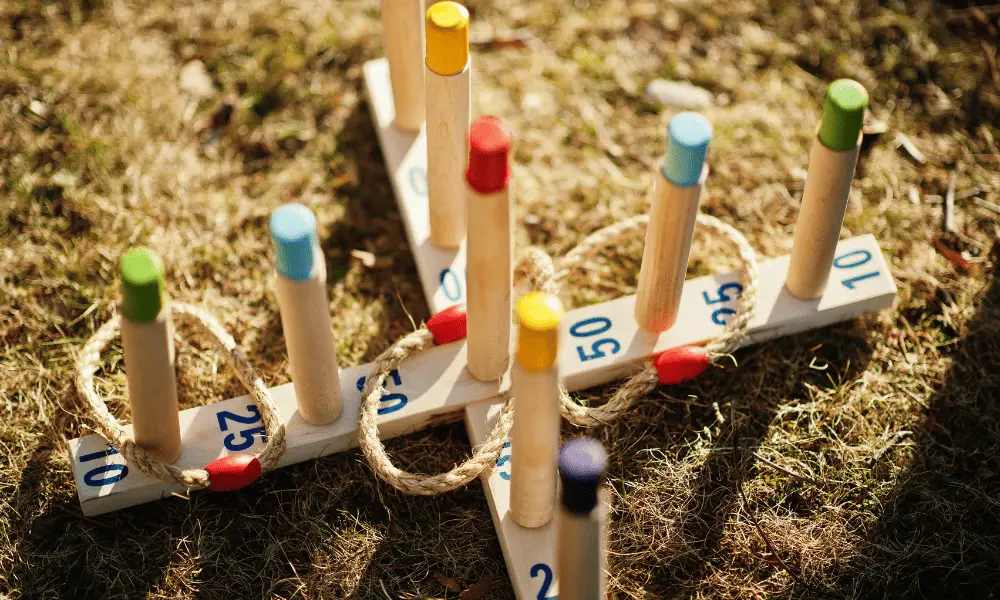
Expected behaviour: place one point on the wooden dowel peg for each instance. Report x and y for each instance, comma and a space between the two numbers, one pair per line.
448, 86
832, 160
672, 215
581, 547
148, 343
490, 250
403, 38
305, 314
535, 433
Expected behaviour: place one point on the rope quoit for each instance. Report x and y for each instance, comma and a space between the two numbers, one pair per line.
108, 426
648, 378
536, 269
533, 268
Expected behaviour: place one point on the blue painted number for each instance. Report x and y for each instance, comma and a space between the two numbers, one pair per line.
105, 474
418, 181
591, 327
451, 285
387, 407
719, 313
246, 435
546, 572
503, 460
844, 261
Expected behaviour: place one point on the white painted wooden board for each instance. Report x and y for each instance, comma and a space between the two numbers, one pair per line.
421, 390
602, 343
442, 271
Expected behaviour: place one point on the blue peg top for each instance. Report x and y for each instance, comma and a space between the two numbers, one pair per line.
688, 135
293, 232
582, 464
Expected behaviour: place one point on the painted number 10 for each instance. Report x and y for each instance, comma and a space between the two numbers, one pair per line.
105, 474
589, 328
851, 260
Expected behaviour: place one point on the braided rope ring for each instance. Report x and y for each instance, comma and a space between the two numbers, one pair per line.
647, 379
135, 456
536, 268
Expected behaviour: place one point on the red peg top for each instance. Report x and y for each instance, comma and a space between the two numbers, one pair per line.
489, 150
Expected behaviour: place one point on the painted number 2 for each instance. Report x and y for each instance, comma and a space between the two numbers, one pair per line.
245, 435
591, 327
853, 259
387, 405
546, 572
719, 313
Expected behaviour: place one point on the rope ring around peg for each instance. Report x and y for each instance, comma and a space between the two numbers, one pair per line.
135, 456
648, 378
537, 269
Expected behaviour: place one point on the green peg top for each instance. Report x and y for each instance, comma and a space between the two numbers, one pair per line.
141, 271
843, 113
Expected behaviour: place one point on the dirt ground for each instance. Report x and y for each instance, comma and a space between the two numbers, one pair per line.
856, 461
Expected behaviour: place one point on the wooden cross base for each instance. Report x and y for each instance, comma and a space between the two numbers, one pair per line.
600, 343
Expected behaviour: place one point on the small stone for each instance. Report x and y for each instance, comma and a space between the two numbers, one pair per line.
195, 80
64, 179
679, 94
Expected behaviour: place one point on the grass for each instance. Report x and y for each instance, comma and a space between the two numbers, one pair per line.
855, 461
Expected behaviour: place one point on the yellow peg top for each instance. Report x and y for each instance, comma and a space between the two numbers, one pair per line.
539, 315
447, 38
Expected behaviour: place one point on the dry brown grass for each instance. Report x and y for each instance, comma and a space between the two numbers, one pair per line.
867, 452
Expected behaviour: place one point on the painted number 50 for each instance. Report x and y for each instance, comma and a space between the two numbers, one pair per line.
589, 328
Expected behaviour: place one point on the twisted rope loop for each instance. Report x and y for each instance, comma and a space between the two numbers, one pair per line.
537, 270
108, 426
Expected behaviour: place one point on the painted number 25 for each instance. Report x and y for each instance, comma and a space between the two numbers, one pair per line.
719, 313
246, 436
589, 328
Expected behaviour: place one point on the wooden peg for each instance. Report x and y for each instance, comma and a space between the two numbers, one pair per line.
448, 86
535, 433
148, 343
672, 215
305, 314
403, 38
832, 161
581, 546
490, 249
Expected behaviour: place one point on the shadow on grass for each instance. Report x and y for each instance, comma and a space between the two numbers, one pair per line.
323, 528
938, 535
370, 221
681, 515
122, 558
